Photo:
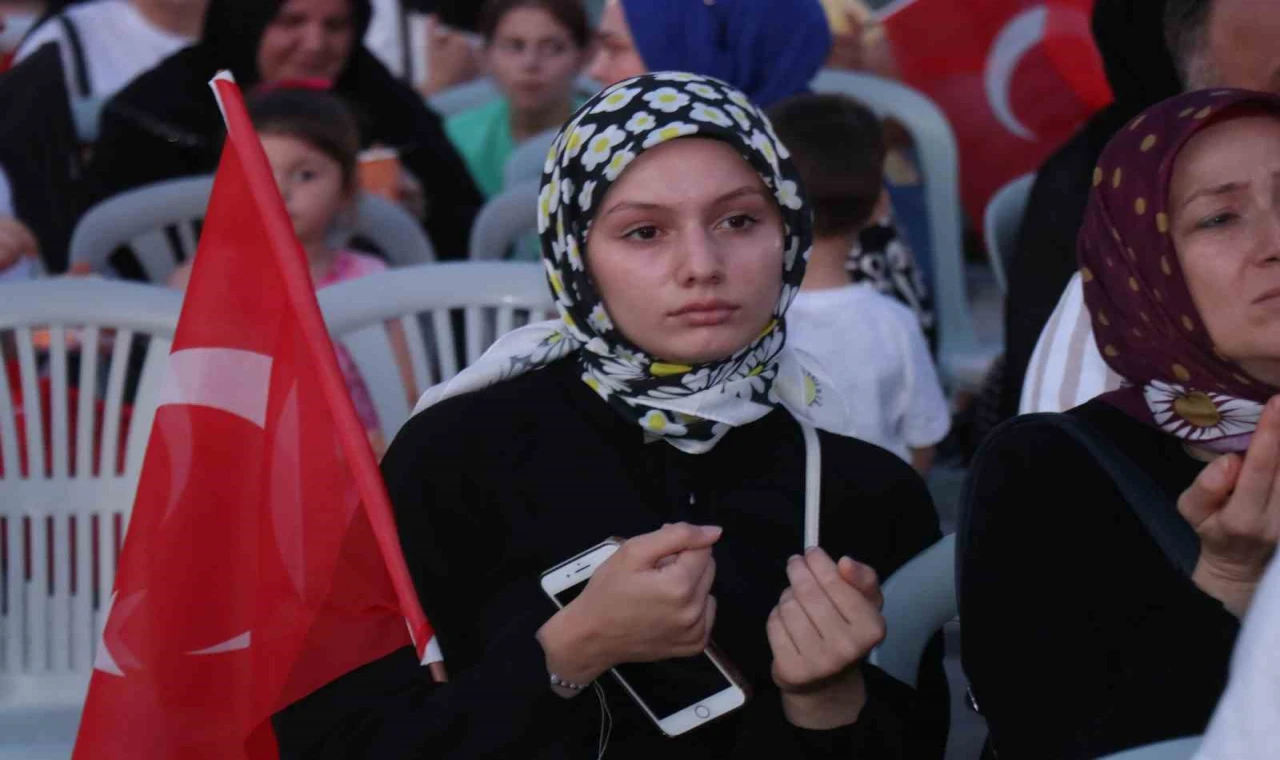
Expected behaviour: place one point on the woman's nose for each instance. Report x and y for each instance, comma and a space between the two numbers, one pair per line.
701, 260
312, 37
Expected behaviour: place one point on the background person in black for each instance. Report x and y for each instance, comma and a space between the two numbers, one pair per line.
166, 125
1130, 37
1080, 637
653, 400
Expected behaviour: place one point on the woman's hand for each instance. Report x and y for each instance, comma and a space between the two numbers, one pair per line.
1234, 506
451, 59
16, 241
825, 623
649, 601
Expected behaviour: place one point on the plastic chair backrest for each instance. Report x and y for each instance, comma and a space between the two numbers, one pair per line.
526, 161
148, 217
504, 221
1175, 749
1002, 219
485, 299
83, 364
963, 362
919, 599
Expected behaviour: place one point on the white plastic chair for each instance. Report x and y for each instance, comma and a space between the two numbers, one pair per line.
82, 492
964, 363
919, 599
493, 297
139, 218
526, 161
504, 221
1175, 749
1001, 221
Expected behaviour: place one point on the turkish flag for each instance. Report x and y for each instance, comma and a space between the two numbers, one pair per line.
1015, 77
261, 560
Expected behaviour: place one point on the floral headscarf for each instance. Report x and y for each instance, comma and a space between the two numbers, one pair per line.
691, 407
1147, 326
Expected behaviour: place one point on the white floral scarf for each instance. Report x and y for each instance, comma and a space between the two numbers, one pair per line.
690, 407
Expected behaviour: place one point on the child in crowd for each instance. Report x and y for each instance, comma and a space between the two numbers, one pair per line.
871, 344
534, 50
312, 143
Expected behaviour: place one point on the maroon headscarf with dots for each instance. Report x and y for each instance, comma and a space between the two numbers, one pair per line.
1146, 324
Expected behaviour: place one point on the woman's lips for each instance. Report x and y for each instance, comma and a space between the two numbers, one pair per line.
705, 313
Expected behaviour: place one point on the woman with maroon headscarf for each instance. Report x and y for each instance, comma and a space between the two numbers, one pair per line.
1083, 632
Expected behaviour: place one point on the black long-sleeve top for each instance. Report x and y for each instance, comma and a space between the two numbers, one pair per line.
1080, 638
493, 488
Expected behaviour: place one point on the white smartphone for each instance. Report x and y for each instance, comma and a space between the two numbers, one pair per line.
678, 695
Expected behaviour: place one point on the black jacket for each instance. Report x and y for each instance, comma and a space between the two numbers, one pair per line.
493, 488
166, 123
1080, 637
1130, 36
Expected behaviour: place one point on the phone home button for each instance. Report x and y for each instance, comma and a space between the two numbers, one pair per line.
702, 711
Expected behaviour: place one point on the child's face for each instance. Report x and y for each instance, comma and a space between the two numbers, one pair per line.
310, 182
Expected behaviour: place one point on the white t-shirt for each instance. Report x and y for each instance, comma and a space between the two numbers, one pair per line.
119, 43
1246, 725
872, 348
1066, 369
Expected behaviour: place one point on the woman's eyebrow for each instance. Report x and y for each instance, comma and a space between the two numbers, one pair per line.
1213, 192
650, 206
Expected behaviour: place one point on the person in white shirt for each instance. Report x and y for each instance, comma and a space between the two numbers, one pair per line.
1215, 43
105, 44
1246, 724
871, 345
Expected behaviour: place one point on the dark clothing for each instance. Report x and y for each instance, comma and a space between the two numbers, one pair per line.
493, 488
40, 152
166, 123
1080, 638
1130, 37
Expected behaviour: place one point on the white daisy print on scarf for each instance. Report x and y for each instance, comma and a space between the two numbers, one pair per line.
600, 148
584, 198
710, 115
658, 423
739, 116
640, 121
703, 91
544, 206
599, 319
761, 142
667, 100
616, 100
789, 195
742, 100
670, 132
789, 257
676, 76
620, 161
1195, 415
575, 256
566, 191
578, 140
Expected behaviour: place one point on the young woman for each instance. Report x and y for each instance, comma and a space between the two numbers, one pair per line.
534, 50
1081, 637
664, 407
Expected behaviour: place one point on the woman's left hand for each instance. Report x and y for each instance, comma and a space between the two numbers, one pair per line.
825, 623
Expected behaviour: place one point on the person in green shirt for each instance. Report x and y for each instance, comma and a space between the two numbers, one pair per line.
534, 50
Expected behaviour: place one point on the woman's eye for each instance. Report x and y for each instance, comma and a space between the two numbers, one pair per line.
740, 222
1217, 220
306, 175
647, 232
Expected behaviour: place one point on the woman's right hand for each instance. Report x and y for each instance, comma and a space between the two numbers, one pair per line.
16, 241
1234, 506
650, 601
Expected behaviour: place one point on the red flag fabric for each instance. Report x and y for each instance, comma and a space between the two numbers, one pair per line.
261, 559
1015, 77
